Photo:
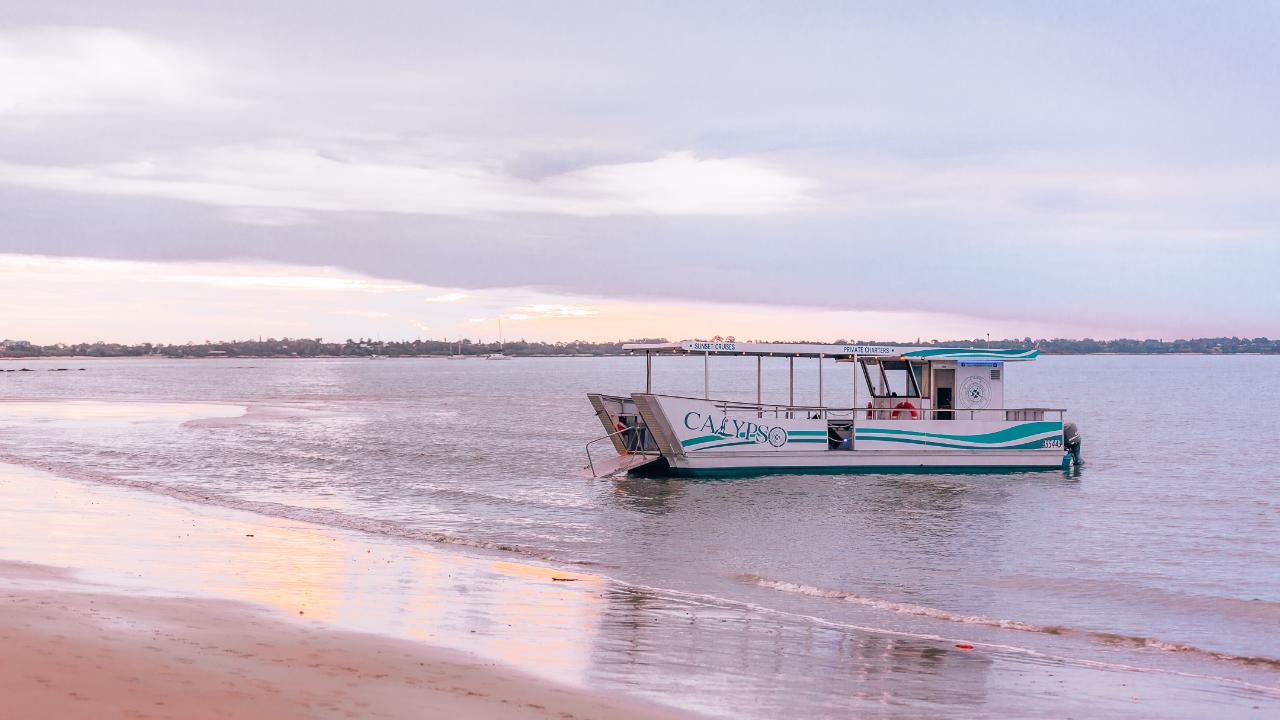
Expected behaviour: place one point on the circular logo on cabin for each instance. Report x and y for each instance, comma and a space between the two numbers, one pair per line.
778, 437
975, 391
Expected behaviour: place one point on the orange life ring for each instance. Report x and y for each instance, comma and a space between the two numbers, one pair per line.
905, 405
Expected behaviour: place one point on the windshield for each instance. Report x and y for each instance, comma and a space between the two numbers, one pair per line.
893, 378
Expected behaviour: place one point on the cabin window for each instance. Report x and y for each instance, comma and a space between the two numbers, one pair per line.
921, 373
893, 378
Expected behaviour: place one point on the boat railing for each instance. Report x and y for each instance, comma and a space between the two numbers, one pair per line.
821, 412
981, 414
619, 433
591, 463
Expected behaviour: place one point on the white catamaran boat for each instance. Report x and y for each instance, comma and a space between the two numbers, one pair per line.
926, 409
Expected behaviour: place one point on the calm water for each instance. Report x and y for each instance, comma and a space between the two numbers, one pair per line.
1155, 570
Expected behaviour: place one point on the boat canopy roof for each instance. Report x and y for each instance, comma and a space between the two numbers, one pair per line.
700, 347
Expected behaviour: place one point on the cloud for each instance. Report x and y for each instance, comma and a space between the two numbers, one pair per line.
290, 282
74, 299
217, 275
79, 70
1007, 162
681, 183
268, 217
543, 310
451, 297
256, 178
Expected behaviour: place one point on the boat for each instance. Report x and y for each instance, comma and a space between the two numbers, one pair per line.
912, 410
500, 355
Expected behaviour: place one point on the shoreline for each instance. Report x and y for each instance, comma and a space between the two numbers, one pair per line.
83, 640
73, 650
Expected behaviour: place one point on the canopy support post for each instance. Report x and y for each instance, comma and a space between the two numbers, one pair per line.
853, 363
819, 379
791, 383
648, 372
706, 376
853, 417
758, 393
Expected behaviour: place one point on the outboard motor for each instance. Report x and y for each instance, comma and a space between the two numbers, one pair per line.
1071, 442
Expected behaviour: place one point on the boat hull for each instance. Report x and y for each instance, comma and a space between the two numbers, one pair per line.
867, 462
708, 438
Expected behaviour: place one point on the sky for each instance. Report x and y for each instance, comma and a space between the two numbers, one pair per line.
175, 172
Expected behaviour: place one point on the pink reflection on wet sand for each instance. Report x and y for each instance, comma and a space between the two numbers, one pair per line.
510, 612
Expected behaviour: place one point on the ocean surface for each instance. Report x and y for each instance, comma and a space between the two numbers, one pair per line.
1145, 584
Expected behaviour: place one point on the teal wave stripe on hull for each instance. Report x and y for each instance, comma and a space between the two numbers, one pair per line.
806, 436
726, 444
1037, 444
700, 440
712, 442
1017, 432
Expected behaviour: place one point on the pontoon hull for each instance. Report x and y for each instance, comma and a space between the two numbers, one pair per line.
868, 462
710, 438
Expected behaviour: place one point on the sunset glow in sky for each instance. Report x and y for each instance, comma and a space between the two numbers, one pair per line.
586, 171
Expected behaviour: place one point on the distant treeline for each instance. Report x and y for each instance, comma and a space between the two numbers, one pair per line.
364, 347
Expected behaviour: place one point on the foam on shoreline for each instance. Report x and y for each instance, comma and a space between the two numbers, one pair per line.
318, 516
1109, 638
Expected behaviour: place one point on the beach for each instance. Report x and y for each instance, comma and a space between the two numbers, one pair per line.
77, 648
72, 650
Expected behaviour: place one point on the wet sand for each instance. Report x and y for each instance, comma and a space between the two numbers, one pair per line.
76, 645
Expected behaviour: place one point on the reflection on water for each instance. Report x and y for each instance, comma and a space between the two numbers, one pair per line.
92, 411
826, 670
647, 495
509, 612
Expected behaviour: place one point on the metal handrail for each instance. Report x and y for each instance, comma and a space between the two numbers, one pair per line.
826, 410
591, 463
747, 405
886, 413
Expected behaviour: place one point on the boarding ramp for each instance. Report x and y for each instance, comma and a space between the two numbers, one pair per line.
615, 465
608, 409
668, 444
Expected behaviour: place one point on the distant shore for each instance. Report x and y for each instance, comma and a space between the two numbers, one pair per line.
377, 349
78, 358
287, 357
